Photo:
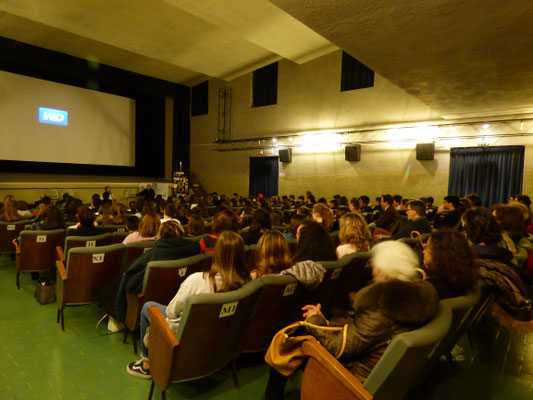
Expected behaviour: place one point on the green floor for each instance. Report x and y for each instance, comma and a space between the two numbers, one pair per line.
38, 361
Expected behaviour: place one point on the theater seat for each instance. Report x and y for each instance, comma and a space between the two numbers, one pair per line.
394, 375
208, 338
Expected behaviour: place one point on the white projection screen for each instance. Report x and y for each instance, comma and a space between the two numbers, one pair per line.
100, 130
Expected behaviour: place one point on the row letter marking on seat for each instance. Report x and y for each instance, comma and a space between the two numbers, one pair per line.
228, 309
182, 271
11, 227
90, 243
41, 238
290, 289
98, 258
335, 274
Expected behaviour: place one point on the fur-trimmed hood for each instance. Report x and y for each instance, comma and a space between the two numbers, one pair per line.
402, 301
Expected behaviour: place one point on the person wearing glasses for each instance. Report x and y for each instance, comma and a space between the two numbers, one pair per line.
416, 214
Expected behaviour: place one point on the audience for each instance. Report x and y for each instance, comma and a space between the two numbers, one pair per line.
9, 211
225, 220
195, 227
148, 229
416, 214
354, 235
449, 261
228, 272
323, 215
314, 243
85, 227
448, 213
396, 302
272, 255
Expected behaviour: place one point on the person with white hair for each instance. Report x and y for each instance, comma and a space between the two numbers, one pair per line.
396, 301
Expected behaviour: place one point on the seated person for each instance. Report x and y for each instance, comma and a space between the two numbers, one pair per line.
363, 204
9, 211
296, 220
354, 235
416, 214
272, 255
148, 229
23, 209
485, 233
85, 226
512, 222
314, 243
105, 216
342, 210
51, 218
132, 223
72, 208
170, 245
117, 214
170, 211
228, 272
323, 215
388, 215
260, 224
448, 213
195, 227
225, 220
449, 262
397, 301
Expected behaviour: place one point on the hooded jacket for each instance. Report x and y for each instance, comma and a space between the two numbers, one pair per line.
164, 249
382, 310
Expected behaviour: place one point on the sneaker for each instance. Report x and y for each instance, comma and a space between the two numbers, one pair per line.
137, 369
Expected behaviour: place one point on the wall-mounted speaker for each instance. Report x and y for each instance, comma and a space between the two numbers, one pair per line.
352, 152
425, 151
285, 155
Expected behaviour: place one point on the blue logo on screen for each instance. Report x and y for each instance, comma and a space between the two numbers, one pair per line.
51, 116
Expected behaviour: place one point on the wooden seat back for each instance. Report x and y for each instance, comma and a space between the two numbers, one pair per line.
134, 251
88, 269
208, 337
38, 250
72, 242
9, 231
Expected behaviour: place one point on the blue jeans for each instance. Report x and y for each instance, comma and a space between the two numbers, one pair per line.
145, 322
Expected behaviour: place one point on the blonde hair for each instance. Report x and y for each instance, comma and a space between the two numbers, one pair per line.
396, 260
354, 231
272, 254
170, 229
325, 214
229, 262
9, 212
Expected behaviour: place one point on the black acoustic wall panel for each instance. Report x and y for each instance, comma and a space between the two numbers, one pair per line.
285, 155
425, 151
352, 152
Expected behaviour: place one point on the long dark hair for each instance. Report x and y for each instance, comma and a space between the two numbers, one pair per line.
481, 226
314, 243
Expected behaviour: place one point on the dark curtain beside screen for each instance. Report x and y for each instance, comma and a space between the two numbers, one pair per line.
264, 173
493, 172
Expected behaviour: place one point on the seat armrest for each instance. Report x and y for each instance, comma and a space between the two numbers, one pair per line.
162, 346
60, 254
61, 269
323, 372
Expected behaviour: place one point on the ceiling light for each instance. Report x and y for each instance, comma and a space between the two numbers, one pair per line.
486, 126
274, 140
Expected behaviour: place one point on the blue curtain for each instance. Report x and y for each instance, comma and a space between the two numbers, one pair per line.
264, 173
492, 172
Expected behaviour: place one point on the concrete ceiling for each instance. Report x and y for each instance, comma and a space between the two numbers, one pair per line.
182, 41
462, 58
